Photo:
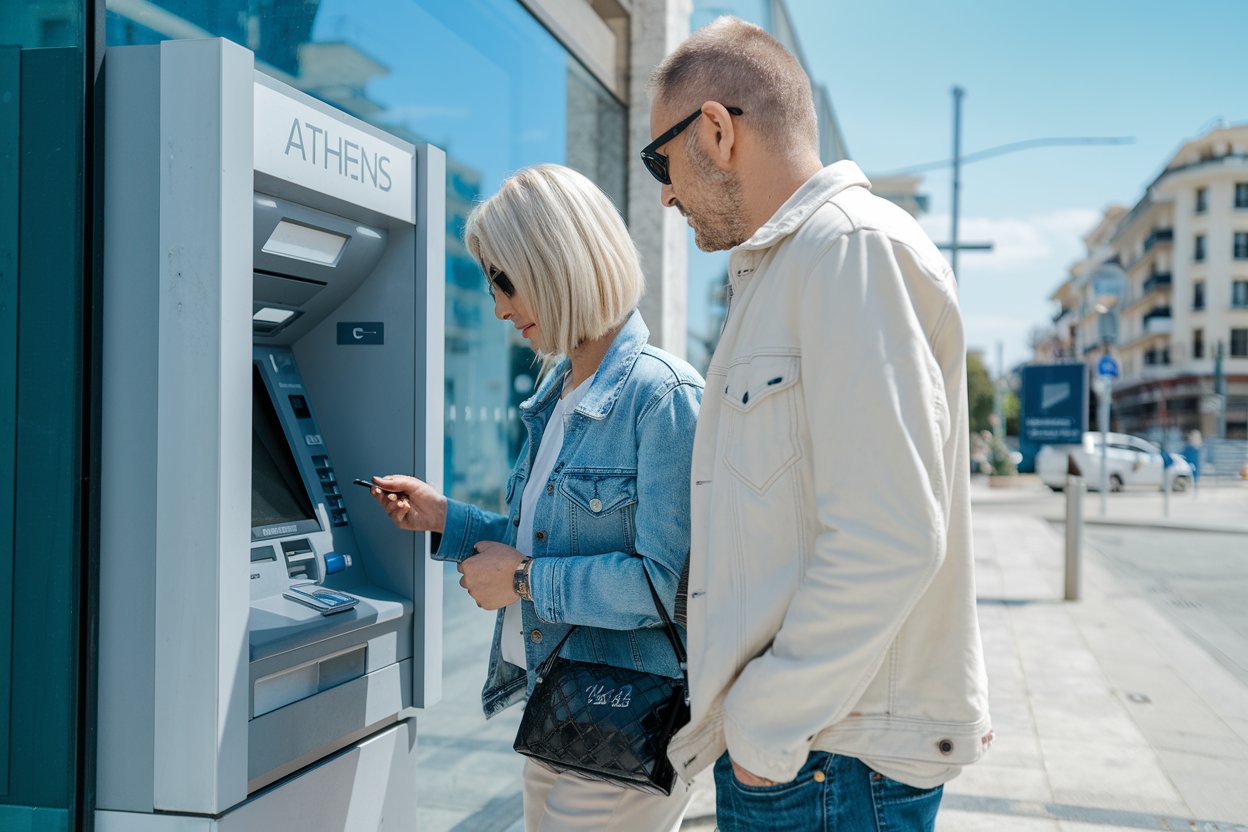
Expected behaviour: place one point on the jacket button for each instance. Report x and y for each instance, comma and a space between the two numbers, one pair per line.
515, 521
595, 505
550, 489
945, 746
540, 535
536, 636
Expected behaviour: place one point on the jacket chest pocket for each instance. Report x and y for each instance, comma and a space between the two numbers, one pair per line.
761, 418
515, 488
601, 510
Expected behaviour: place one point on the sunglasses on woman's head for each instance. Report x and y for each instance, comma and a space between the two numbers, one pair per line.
500, 279
655, 161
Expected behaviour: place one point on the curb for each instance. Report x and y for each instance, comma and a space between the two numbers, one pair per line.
1164, 525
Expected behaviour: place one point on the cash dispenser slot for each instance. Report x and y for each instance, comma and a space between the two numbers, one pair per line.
318, 683
288, 686
300, 559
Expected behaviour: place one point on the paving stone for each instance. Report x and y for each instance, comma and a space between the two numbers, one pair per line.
989, 780
1216, 788
1110, 776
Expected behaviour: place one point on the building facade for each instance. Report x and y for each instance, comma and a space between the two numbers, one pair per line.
1086, 300
499, 84
1179, 321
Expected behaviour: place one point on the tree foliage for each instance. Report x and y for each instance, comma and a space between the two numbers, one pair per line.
979, 392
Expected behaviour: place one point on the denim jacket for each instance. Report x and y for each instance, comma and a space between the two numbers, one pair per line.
616, 503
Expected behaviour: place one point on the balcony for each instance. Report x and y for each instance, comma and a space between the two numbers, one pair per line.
1158, 322
1158, 326
1159, 235
1158, 280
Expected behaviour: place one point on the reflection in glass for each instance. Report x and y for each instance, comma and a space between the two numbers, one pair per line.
479, 78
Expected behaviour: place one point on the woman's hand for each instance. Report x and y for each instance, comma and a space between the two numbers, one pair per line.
488, 575
416, 505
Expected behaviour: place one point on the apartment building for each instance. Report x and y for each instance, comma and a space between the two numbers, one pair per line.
1179, 323
1087, 299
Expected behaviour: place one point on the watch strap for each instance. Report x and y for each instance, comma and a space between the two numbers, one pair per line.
520, 579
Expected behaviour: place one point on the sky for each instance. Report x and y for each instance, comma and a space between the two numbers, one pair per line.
1159, 72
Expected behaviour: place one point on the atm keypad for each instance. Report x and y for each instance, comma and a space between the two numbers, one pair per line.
333, 495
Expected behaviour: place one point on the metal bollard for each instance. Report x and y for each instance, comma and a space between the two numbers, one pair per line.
1075, 489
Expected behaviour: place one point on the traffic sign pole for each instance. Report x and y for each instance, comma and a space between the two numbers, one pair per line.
1107, 371
1102, 416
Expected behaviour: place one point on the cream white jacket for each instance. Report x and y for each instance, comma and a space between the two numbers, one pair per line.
831, 589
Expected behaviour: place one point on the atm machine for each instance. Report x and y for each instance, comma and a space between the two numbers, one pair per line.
272, 330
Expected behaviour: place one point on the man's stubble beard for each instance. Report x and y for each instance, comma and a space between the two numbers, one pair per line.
719, 219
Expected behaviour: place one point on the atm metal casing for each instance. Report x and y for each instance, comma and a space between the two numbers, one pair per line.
223, 705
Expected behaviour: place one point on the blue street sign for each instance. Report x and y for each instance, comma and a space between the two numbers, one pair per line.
1054, 403
1107, 367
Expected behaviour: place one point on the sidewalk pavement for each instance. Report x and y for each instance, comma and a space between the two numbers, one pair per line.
1107, 717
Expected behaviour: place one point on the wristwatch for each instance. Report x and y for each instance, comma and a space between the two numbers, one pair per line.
520, 580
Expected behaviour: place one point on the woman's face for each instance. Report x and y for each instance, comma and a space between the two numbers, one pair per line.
509, 306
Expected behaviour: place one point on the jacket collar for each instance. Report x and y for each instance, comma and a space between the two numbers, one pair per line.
614, 370
817, 190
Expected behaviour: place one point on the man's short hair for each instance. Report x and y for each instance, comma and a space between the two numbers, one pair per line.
739, 65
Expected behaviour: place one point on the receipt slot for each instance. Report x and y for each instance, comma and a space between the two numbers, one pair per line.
272, 329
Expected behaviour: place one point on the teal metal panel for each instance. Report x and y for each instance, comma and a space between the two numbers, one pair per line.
48, 552
10, 96
31, 819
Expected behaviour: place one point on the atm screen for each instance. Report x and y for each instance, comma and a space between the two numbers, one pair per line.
278, 494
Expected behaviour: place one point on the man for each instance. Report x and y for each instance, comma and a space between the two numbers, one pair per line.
836, 669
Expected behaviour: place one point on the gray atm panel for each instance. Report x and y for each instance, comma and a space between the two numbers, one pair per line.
218, 698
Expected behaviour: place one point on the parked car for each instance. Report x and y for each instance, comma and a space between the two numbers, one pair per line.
1133, 463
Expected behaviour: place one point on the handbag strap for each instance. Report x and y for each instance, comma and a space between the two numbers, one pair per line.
672, 635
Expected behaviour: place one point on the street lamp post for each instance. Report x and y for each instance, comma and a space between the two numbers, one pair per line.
955, 244
958, 92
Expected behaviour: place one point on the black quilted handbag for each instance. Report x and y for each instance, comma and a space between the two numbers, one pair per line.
606, 723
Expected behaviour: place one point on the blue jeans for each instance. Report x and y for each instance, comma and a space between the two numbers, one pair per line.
830, 794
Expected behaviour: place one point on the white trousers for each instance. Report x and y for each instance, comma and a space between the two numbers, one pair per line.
568, 803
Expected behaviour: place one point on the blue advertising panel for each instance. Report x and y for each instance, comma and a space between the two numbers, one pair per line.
1054, 403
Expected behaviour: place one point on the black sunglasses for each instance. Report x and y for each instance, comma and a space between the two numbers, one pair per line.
655, 161
500, 279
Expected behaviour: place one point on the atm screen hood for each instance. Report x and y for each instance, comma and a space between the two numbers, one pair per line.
305, 262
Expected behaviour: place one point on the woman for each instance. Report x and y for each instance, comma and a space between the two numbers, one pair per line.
599, 497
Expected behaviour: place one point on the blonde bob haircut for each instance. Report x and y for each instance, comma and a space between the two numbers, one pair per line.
566, 251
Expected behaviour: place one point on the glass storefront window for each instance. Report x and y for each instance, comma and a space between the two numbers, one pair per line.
481, 79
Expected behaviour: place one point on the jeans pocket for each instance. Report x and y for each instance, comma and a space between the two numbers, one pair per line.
900, 806
796, 805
